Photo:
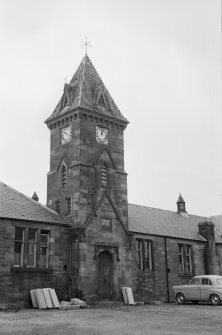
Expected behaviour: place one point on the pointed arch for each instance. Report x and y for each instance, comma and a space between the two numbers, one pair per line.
104, 152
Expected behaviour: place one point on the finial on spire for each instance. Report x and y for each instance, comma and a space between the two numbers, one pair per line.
86, 44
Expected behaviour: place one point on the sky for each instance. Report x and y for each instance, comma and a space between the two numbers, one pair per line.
160, 61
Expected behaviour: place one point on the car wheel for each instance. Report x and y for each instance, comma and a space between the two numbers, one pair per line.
195, 302
215, 300
180, 299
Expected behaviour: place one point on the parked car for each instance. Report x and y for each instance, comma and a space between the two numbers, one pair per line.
200, 288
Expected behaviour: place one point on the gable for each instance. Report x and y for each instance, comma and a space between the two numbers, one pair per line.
105, 208
104, 156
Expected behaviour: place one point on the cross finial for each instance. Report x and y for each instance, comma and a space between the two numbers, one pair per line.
86, 44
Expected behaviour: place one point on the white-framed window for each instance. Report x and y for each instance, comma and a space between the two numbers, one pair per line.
144, 254
185, 258
19, 246
181, 258
31, 247
44, 249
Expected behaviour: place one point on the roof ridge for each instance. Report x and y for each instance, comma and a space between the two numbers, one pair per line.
30, 199
167, 210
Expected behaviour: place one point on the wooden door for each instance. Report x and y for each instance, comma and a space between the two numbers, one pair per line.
105, 273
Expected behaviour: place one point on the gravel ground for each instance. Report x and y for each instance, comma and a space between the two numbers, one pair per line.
124, 320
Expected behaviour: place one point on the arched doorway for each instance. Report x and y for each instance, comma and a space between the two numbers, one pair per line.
105, 275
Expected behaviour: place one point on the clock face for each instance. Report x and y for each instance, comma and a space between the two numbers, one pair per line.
102, 135
66, 134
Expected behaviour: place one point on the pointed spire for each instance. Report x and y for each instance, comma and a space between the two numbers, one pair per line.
181, 207
35, 197
84, 91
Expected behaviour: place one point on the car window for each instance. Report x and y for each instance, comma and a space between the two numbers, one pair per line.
219, 281
205, 281
195, 281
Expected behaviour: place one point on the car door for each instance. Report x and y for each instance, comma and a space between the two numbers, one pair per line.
193, 292
206, 284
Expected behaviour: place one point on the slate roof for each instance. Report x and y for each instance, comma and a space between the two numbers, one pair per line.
217, 220
84, 90
153, 221
16, 205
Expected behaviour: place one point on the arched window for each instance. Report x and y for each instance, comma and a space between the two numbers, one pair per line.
104, 176
64, 176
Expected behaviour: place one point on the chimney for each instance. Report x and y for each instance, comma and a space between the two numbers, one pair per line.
206, 229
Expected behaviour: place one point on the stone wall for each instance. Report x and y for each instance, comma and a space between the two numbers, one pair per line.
16, 282
157, 284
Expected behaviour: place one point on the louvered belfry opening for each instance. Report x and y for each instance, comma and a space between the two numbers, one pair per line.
104, 176
64, 176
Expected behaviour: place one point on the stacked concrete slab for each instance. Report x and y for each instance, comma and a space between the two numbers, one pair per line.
44, 298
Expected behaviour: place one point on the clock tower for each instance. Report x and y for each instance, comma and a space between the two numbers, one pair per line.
87, 184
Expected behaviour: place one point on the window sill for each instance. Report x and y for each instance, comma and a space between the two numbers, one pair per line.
30, 270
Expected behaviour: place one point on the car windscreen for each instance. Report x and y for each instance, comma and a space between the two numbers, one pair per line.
219, 281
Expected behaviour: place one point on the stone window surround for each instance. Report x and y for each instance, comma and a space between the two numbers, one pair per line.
144, 254
185, 258
104, 227
37, 254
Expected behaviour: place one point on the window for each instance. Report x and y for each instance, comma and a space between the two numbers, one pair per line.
68, 206
185, 258
195, 281
144, 254
58, 206
19, 246
181, 258
104, 176
106, 225
31, 247
206, 281
44, 248
64, 176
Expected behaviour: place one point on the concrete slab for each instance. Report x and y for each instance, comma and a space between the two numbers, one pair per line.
69, 307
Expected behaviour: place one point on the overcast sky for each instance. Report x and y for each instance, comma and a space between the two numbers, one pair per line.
160, 61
